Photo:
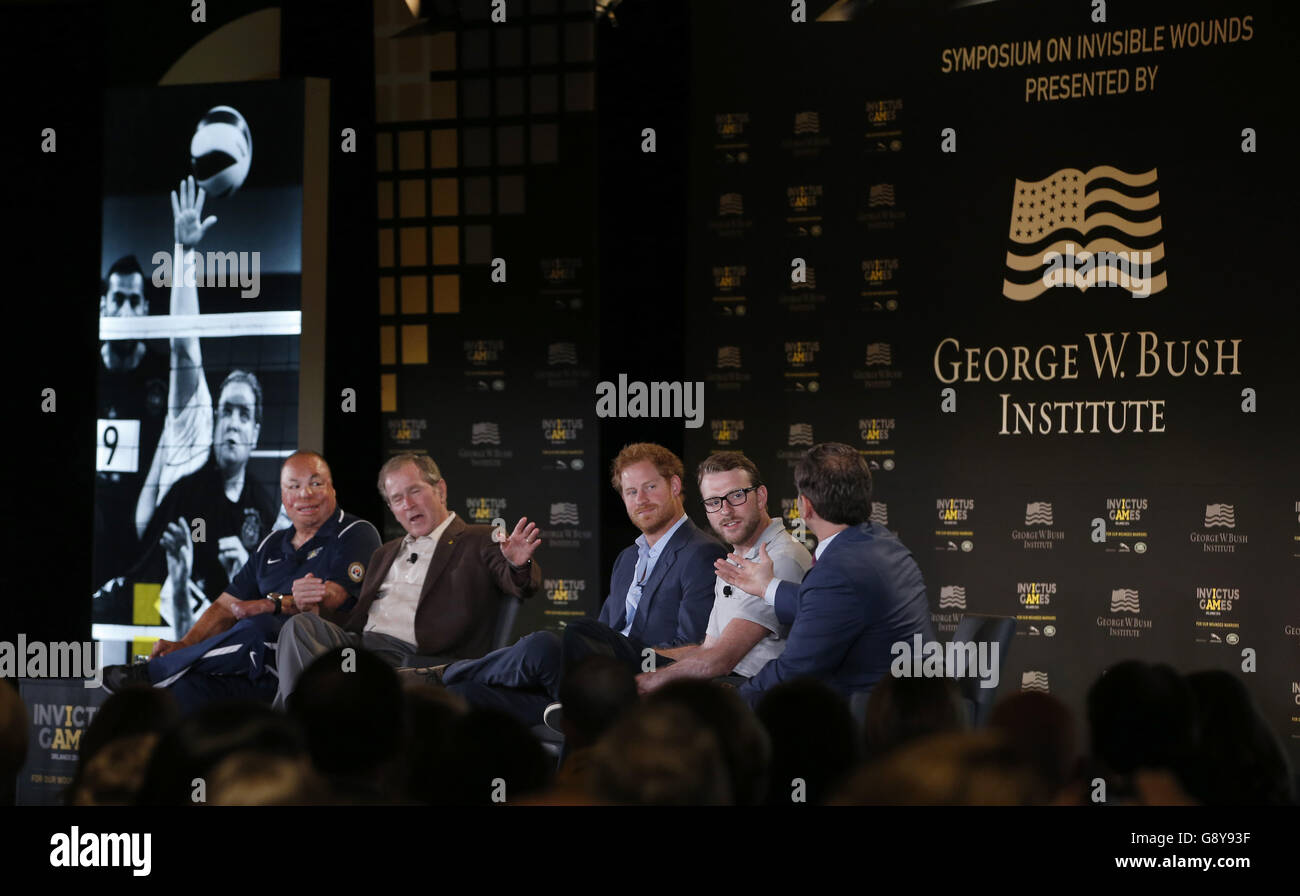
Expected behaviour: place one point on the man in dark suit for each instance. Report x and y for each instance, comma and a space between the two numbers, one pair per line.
436, 591
864, 593
660, 595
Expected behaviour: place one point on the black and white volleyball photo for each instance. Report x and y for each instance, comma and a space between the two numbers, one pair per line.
200, 314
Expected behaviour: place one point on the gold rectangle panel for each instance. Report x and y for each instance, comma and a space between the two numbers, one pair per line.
415, 344
414, 247
385, 200
388, 345
446, 293
446, 245
385, 247
384, 152
445, 197
415, 295
442, 99
387, 296
388, 392
443, 144
410, 150
411, 198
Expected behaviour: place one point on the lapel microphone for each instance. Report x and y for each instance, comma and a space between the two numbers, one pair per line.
726, 591
414, 557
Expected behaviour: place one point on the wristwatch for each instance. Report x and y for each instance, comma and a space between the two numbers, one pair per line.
277, 599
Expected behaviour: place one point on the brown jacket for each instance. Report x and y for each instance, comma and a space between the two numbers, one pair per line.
458, 608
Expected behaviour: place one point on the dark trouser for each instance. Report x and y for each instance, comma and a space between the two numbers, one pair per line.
238, 663
525, 678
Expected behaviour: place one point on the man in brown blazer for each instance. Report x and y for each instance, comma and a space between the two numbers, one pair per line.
436, 591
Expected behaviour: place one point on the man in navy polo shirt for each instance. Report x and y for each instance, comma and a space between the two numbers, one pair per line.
316, 566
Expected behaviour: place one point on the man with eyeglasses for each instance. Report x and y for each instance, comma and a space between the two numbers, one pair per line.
864, 595
743, 633
314, 566
436, 591
660, 596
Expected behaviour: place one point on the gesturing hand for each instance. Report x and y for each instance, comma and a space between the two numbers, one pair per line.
520, 544
187, 214
179, 550
750, 576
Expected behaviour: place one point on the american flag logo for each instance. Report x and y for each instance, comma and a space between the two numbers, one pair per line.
1103, 214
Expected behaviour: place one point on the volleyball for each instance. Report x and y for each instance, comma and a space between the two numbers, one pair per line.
221, 151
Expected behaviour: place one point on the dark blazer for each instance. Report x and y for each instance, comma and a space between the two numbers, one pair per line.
677, 598
458, 606
864, 594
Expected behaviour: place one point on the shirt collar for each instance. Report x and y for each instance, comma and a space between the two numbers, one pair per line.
653, 551
774, 528
424, 541
823, 544
327, 529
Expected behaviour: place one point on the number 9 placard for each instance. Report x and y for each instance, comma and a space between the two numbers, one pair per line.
117, 446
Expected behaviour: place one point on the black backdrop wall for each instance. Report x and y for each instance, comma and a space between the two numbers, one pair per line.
926, 230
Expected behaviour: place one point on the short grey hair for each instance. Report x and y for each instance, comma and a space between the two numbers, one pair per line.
422, 462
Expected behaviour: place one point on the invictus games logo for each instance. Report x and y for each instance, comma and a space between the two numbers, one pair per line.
954, 510
1125, 511
1217, 601
801, 354
1124, 601
883, 133
804, 197
954, 521
880, 195
880, 278
800, 434
730, 278
406, 430
482, 511
560, 431
564, 591
1122, 529
790, 511
875, 430
481, 352
881, 113
560, 271
952, 597
1221, 517
730, 125
877, 271
1050, 216
485, 434
809, 280
1035, 594
1034, 681
729, 373
726, 432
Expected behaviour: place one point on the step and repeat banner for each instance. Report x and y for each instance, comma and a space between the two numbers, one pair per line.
1035, 264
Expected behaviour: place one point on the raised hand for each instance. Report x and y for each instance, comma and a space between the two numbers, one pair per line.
520, 544
187, 214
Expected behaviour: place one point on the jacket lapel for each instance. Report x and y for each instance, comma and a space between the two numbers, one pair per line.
665, 562
442, 555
